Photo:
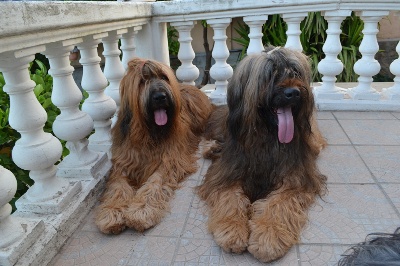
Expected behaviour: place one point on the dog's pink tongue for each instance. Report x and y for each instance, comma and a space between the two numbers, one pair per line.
285, 124
160, 116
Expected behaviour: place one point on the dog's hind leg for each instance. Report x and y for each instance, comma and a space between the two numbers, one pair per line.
277, 222
150, 203
228, 219
109, 214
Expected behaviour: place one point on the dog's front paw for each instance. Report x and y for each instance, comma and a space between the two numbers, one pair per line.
110, 220
231, 236
268, 243
142, 217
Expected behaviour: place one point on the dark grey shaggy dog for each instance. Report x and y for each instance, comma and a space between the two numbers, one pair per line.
378, 249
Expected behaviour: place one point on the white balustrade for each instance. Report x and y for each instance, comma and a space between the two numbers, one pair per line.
98, 105
113, 69
17, 234
36, 150
128, 46
393, 93
72, 124
331, 66
11, 231
368, 66
255, 24
220, 71
186, 72
293, 32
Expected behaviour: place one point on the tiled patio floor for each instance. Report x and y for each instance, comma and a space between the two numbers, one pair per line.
362, 163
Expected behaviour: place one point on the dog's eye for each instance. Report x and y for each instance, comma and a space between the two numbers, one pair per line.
163, 77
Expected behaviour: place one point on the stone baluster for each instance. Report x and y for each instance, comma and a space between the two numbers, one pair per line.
187, 72
393, 93
220, 71
113, 69
17, 234
128, 46
293, 32
98, 105
331, 66
368, 66
36, 150
255, 24
72, 124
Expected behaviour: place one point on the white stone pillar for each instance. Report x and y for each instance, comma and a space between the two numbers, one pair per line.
17, 234
368, 66
128, 46
36, 150
293, 32
220, 71
186, 72
10, 230
113, 69
393, 93
72, 124
98, 105
331, 66
255, 24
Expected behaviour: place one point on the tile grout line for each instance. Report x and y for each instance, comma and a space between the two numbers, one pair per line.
179, 238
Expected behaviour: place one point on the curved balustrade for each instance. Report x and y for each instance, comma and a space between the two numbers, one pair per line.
65, 187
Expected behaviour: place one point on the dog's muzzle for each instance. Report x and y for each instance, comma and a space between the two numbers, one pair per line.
159, 103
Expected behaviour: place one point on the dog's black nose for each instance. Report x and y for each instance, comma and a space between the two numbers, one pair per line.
159, 96
291, 93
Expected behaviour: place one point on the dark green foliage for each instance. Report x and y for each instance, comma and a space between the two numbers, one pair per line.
312, 37
173, 43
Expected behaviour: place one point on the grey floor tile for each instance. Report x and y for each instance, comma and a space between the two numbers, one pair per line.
323, 115
342, 164
151, 250
364, 115
196, 225
198, 252
372, 132
383, 161
332, 131
393, 191
318, 255
290, 259
396, 114
348, 213
96, 248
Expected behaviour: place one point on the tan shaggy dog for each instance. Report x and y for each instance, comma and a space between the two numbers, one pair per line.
264, 177
154, 143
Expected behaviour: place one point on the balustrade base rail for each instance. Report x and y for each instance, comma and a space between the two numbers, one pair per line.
46, 234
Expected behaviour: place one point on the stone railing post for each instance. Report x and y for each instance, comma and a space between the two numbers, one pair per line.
293, 32
255, 24
113, 69
187, 72
72, 124
393, 93
331, 66
17, 234
368, 66
36, 150
220, 71
98, 105
128, 46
